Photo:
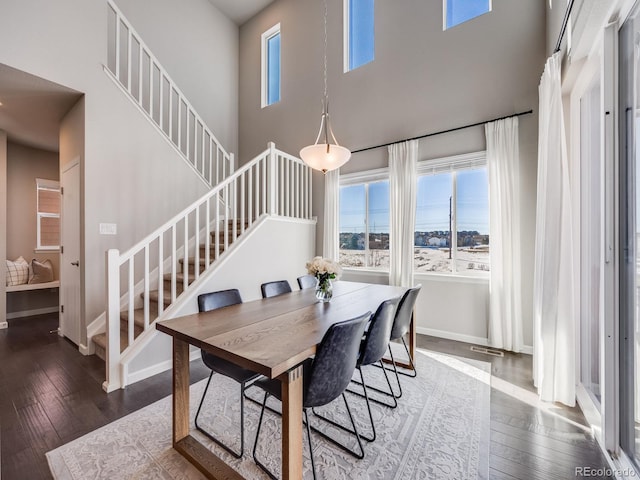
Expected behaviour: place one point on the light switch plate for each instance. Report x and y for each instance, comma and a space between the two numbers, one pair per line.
108, 229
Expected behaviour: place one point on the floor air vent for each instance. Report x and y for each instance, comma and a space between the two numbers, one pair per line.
487, 351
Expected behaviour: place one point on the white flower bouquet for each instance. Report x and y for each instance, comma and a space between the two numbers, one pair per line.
324, 270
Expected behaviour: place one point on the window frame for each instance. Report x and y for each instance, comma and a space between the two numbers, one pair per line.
264, 66
454, 164
44, 184
346, 36
444, 15
364, 178
467, 161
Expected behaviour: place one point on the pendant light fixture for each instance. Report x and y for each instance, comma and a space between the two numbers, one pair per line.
328, 155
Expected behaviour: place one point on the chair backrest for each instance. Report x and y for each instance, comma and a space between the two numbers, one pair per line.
307, 281
376, 339
335, 361
404, 313
222, 298
272, 289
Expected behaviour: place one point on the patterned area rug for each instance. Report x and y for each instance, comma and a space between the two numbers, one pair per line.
440, 430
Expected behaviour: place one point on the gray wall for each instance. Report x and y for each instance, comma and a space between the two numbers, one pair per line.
422, 80
130, 176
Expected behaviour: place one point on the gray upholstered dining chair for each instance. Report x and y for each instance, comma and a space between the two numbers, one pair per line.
307, 281
325, 378
213, 301
401, 325
372, 349
273, 289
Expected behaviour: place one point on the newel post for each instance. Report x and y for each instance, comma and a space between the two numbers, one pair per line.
112, 352
272, 163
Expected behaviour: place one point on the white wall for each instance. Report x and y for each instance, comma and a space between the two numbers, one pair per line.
448, 307
422, 80
276, 250
130, 177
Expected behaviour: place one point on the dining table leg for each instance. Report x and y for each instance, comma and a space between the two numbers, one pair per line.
180, 390
292, 424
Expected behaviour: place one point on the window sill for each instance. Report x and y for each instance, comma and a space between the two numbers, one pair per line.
448, 277
431, 277
47, 250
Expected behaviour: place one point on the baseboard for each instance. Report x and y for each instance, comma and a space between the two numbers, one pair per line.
155, 369
459, 337
3, 325
87, 350
31, 313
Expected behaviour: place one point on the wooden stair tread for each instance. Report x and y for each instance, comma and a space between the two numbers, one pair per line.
138, 317
179, 278
153, 296
101, 340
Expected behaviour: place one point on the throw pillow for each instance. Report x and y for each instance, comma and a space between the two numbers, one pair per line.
17, 272
42, 271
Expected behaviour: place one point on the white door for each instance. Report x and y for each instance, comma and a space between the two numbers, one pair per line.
70, 254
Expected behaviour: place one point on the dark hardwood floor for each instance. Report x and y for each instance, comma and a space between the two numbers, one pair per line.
50, 394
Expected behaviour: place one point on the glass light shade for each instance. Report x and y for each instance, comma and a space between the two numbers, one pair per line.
318, 158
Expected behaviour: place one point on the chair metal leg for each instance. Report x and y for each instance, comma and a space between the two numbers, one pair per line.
346, 429
336, 442
365, 395
313, 464
255, 445
210, 435
413, 372
395, 370
258, 402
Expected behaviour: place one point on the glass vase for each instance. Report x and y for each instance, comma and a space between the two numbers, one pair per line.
324, 290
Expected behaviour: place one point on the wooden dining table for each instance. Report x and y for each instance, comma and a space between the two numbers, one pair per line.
272, 337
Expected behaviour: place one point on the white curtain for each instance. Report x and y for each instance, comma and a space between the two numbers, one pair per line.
503, 165
403, 159
553, 295
330, 238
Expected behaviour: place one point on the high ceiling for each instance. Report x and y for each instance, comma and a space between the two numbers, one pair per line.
240, 10
32, 108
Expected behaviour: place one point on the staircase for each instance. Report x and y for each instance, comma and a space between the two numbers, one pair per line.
100, 340
152, 280
272, 184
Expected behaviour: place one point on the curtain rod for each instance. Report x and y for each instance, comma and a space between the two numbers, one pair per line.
565, 22
444, 131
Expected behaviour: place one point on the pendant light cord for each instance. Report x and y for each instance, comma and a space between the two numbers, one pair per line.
325, 51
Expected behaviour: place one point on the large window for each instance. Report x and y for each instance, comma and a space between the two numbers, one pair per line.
359, 33
364, 225
271, 66
460, 11
452, 217
48, 214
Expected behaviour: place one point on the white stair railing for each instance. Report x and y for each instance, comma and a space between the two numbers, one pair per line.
139, 74
273, 183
